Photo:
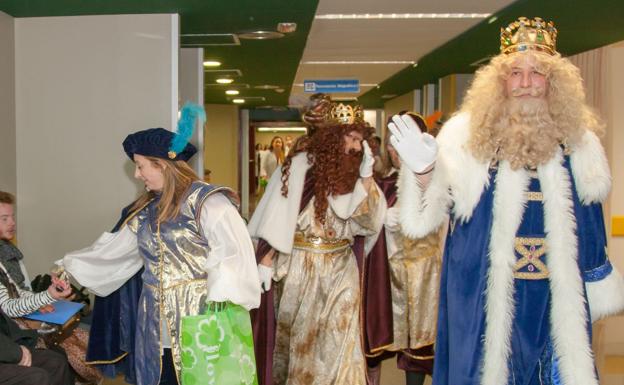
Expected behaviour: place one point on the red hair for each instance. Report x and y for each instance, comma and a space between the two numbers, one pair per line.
334, 172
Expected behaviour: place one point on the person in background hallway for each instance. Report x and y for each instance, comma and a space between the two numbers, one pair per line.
523, 174
288, 144
272, 158
412, 271
376, 148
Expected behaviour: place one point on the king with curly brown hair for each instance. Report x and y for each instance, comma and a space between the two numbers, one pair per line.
322, 198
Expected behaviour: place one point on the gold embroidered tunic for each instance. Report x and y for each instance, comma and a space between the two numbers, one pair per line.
318, 298
415, 267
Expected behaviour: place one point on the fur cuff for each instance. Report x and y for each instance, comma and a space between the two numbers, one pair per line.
590, 169
606, 297
420, 213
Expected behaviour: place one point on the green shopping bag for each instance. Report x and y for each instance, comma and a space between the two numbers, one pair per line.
217, 347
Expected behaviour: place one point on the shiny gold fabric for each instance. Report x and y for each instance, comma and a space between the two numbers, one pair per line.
415, 267
174, 280
318, 301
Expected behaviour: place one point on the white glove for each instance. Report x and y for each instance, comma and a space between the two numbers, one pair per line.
366, 167
417, 150
266, 276
392, 218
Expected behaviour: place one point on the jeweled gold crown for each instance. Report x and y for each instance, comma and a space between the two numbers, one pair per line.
345, 114
524, 34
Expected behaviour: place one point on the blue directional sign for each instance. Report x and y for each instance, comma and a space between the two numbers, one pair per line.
332, 86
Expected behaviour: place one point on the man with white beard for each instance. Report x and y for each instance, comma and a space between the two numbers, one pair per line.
522, 173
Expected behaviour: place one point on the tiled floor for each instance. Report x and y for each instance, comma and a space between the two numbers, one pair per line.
608, 349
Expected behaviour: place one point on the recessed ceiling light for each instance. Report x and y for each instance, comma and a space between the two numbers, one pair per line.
260, 35
238, 101
266, 87
279, 90
361, 85
415, 65
281, 129
212, 63
373, 16
224, 80
232, 92
492, 19
332, 62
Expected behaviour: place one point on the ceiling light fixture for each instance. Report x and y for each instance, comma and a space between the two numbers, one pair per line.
212, 63
361, 85
281, 129
332, 62
232, 92
286, 27
224, 80
260, 35
378, 16
265, 87
492, 19
238, 101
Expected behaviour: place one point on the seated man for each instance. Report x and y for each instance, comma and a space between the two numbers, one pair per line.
22, 364
17, 300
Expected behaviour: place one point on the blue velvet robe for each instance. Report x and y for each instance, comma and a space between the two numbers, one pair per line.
461, 318
111, 338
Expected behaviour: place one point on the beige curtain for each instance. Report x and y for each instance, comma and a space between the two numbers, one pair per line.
593, 66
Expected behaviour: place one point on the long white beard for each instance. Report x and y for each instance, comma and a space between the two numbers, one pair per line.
526, 132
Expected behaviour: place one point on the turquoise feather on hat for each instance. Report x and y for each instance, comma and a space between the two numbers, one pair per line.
186, 124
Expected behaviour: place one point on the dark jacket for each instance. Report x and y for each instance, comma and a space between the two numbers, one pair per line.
11, 337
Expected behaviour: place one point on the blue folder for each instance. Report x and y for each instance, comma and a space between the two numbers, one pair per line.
63, 311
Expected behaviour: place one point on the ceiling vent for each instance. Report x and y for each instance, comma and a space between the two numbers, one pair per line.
208, 39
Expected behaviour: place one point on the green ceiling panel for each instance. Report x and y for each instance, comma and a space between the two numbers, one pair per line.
261, 62
582, 25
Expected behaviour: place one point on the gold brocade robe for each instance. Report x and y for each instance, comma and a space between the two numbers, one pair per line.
174, 280
318, 339
415, 267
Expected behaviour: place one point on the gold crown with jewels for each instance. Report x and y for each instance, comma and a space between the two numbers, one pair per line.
346, 114
529, 34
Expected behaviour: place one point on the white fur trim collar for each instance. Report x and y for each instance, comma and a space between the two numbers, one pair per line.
509, 204
468, 177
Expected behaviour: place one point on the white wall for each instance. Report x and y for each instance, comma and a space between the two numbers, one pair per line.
615, 143
83, 84
8, 165
221, 153
191, 89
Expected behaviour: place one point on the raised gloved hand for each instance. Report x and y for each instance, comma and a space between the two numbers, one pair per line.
366, 167
266, 277
417, 150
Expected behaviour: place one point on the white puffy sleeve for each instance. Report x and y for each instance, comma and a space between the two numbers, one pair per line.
107, 264
231, 263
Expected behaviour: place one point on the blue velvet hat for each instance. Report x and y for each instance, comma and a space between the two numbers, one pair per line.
155, 142
161, 143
